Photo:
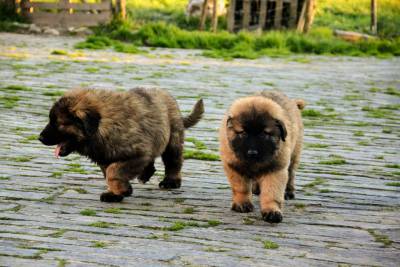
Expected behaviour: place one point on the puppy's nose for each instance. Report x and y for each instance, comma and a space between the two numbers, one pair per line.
252, 153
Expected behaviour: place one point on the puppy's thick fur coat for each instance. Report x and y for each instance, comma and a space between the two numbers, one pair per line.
123, 132
261, 139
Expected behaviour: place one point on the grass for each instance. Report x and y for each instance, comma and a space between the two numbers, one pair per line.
14, 88
358, 133
333, 160
99, 244
101, 224
270, 244
180, 225
59, 52
9, 101
200, 155
397, 184
113, 210
354, 15
392, 91
56, 93
227, 45
248, 221
189, 210
197, 143
317, 145
381, 238
88, 212
317, 181
393, 166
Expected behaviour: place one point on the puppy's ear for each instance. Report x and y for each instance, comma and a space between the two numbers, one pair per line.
91, 122
229, 122
282, 129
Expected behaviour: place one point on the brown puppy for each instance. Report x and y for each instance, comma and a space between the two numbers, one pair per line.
260, 143
123, 132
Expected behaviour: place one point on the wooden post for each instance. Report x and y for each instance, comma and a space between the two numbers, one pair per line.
120, 8
278, 14
293, 13
215, 16
263, 14
231, 15
374, 15
309, 15
246, 14
203, 15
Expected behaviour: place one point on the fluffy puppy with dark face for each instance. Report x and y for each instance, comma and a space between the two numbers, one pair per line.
260, 143
123, 132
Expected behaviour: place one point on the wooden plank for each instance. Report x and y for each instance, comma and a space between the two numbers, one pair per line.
231, 15
278, 14
68, 20
75, 6
293, 13
302, 18
374, 15
246, 14
215, 16
203, 15
263, 14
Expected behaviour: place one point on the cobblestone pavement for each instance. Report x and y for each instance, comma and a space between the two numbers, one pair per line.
347, 206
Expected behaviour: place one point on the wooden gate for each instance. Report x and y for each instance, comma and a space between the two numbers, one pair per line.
66, 14
263, 14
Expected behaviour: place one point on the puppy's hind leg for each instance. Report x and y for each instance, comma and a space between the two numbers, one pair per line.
173, 158
145, 176
290, 187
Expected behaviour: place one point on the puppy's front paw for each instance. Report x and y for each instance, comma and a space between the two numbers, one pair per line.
243, 207
274, 216
289, 195
169, 183
110, 197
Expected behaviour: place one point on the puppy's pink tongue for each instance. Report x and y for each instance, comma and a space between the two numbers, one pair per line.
57, 151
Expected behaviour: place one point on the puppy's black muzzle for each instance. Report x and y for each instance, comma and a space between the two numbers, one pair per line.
49, 136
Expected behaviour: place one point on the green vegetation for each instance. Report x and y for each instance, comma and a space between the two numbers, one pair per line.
393, 166
248, 221
323, 191
75, 167
113, 210
189, 210
333, 160
316, 145
9, 101
62, 262
354, 15
102, 224
358, 133
53, 93
270, 244
197, 143
200, 155
392, 91
180, 225
397, 184
99, 244
59, 52
22, 158
88, 212
384, 239
14, 88
241, 45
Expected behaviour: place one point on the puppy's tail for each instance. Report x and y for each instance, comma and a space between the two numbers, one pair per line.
300, 103
195, 115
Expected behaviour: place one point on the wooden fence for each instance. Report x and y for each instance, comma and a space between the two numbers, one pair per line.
264, 14
66, 14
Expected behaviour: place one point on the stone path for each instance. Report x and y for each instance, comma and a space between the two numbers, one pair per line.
347, 207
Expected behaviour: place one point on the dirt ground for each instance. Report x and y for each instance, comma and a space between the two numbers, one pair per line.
346, 211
